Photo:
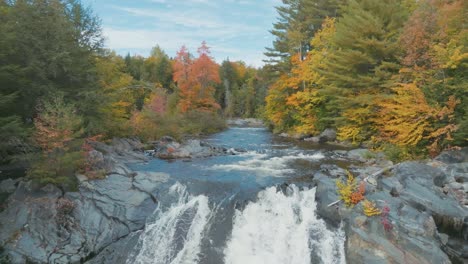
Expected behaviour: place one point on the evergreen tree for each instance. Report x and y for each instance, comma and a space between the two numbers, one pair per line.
361, 68
297, 23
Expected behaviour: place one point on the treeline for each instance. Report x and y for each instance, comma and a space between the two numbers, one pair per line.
387, 73
60, 89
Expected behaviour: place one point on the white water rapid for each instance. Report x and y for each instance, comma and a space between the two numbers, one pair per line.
277, 228
283, 229
261, 164
175, 235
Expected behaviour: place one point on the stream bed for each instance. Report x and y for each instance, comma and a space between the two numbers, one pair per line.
254, 207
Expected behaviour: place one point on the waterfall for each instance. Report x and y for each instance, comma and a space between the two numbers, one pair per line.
279, 227
175, 235
283, 228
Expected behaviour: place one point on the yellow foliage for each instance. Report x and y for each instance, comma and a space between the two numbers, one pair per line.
349, 191
370, 209
294, 98
407, 118
356, 120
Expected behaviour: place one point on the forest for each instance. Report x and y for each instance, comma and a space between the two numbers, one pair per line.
60, 88
390, 75
387, 74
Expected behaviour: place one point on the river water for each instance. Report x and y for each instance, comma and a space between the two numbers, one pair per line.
252, 208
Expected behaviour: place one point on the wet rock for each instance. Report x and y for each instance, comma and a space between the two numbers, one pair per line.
332, 170
325, 195
191, 149
35, 226
117, 252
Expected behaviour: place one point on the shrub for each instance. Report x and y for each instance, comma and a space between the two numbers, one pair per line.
370, 209
57, 128
349, 191
92, 165
149, 125
384, 219
64, 209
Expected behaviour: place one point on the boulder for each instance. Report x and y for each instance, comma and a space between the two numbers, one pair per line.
361, 155
312, 139
170, 149
9, 185
453, 156
410, 240
327, 135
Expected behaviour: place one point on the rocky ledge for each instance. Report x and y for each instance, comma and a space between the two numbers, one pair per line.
428, 217
47, 225
169, 148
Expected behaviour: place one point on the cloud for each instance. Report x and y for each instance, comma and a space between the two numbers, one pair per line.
233, 28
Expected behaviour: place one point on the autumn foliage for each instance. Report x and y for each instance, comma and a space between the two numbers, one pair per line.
57, 130
350, 192
370, 209
407, 119
196, 79
384, 73
56, 125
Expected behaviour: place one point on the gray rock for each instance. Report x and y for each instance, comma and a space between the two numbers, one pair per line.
326, 194
332, 170
411, 240
454, 156
81, 178
327, 135
8, 186
361, 155
191, 149
418, 209
457, 171
36, 226
246, 122
465, 186
117, 252
312, 139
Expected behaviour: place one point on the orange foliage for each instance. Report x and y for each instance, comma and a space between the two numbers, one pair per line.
349, 192
358, 195
196, 80
55, 125
157, 102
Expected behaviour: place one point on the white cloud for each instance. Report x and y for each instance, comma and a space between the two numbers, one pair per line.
233, 33
126, 40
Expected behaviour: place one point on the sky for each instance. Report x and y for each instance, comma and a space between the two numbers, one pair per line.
234, 29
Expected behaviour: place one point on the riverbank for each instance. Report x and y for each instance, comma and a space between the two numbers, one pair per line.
103, 220
427, 221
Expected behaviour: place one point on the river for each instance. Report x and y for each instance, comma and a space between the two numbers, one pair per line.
255, 207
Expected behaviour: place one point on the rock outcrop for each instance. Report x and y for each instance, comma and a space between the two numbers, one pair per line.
46, 225
428, 214
169, 148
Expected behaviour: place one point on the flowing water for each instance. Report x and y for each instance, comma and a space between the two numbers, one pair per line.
238, 210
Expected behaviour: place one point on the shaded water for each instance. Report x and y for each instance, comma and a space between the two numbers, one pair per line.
229, 209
